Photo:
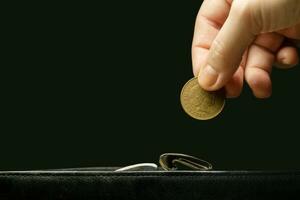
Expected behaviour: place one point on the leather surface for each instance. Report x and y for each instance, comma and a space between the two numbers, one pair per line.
105, 184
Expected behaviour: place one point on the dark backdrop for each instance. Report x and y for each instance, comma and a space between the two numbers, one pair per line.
98, 85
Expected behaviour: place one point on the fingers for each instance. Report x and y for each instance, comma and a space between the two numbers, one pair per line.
218, 45
270, 41
287, 57
226, 51
257, 71
259, 63
199, 56
211, 17
203, 37
234, 86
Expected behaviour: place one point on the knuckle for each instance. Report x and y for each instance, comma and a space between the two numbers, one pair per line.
242, 8
217, 52
249, 12
218, 57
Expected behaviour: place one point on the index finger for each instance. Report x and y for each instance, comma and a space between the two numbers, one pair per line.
211, 17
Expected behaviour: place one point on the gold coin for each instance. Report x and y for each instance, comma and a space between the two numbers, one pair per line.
201, 104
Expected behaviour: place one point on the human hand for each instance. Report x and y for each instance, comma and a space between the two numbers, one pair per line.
244, 38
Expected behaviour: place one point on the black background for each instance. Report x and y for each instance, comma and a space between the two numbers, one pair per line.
98, 85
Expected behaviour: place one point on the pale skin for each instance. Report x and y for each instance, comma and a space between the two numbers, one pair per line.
241, 40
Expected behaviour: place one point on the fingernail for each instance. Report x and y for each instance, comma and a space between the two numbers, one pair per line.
208, 76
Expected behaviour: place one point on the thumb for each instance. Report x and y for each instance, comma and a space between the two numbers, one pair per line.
227, 49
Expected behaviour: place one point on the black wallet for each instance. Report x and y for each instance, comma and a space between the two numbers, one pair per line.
178, 177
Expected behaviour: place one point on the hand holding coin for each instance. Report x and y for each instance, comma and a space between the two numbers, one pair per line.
237, 40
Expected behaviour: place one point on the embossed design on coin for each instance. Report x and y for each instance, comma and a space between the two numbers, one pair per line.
201, 104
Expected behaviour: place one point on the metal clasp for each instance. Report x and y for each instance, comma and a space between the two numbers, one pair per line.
171, 162
176, 161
